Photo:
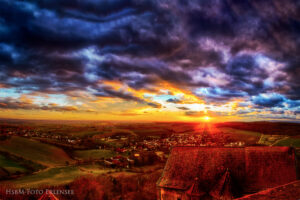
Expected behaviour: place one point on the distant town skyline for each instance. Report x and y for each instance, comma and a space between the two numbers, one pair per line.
150, 60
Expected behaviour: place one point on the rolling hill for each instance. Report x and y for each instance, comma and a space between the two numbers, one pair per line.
35, 151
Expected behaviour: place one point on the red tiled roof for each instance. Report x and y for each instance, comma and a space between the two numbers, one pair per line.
252, 168
48, 196
222, 190
195, 189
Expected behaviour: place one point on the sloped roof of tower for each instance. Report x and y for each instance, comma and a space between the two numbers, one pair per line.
48, 196
252, 168
195, 190
223, 188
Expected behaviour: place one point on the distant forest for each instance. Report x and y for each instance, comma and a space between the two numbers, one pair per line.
270, 128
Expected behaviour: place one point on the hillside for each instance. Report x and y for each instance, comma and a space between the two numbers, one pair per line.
35, 151
269, 128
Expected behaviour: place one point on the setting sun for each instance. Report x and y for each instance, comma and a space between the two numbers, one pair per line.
206, 118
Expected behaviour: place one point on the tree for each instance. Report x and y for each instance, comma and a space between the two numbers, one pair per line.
88, 188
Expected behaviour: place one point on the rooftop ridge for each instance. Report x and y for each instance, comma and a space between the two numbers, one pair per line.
253, 168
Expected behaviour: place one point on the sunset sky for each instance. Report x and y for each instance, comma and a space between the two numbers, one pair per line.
150, 60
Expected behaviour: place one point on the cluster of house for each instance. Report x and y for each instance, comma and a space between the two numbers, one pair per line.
119, 161
191, 140
35, 133
131, 143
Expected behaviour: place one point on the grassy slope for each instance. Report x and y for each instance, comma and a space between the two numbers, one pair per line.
292, 142
94, 154
83, 133
268, 128
11, 166
35, 151
238, 131
54, 176
249, 137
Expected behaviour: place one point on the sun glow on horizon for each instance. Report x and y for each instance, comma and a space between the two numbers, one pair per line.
206, 118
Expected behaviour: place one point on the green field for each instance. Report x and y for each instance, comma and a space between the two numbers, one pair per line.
82, 133
93, 154
249, 137
11, 166
54, 176
151, 131
238, 131
35, 151
290, 142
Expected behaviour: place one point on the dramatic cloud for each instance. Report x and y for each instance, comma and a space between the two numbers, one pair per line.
272, 100
174, 100
9, 103
213, 52
183, 108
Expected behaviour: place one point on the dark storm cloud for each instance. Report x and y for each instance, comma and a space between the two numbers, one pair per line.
297, 112
142, 43
277, 112
183, 108
245, 75
293, 69
154, 105
174, 100
9, 103
202, 113
146, 71
194, 113
133, 26
110, 92
202, 22
293, 103
273, 100
276, 117
219, 94
242, 112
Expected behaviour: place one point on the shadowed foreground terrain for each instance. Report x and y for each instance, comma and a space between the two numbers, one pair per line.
113, 160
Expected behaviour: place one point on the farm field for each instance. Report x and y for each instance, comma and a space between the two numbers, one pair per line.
93, 154
11, 166
36, 151
54, 176
268, 128
82, 133
240, 132
291, 142
252, 137
233, 134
